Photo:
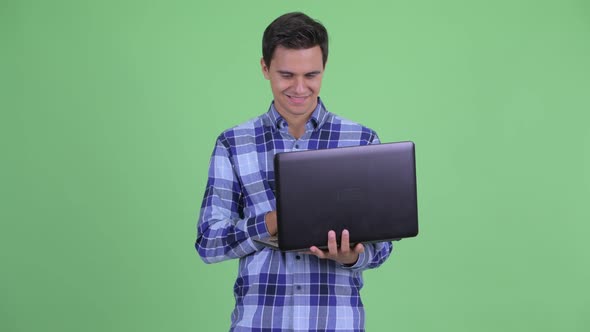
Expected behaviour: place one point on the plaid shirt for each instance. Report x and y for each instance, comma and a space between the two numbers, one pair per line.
278, 291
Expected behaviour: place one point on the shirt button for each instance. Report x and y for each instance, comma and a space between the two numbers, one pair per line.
298, 257
296, 146
298, 287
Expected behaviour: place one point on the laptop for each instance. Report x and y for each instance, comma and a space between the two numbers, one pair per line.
369, 190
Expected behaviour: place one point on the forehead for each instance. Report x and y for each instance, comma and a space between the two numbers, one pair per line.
297, 60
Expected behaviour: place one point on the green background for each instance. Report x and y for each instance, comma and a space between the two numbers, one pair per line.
110, 109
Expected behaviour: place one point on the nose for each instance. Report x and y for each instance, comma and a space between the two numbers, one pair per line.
300, 86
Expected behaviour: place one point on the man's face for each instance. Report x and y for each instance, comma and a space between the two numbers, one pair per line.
295, 79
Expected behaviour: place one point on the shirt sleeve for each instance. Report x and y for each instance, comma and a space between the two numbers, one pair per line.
221, 232
373, 256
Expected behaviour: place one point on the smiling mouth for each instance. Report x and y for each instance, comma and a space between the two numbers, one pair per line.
297, 99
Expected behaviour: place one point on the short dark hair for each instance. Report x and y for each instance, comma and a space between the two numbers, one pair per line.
294, 31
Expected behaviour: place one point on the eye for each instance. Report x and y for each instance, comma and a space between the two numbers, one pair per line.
286, 75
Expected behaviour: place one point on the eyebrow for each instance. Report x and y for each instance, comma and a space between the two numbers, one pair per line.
284, 72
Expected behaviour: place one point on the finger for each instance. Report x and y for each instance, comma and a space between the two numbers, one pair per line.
345, 242
332, 244
317, 252
359, 248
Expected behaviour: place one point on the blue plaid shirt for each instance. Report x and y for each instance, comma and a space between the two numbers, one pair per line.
278, 291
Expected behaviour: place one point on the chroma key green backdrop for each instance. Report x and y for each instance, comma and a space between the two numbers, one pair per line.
110, 109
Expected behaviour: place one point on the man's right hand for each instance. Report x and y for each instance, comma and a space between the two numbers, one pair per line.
271, 222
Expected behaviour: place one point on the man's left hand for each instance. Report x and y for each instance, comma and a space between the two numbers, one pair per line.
344, 255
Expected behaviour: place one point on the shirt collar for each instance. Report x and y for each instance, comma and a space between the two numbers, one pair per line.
317, 119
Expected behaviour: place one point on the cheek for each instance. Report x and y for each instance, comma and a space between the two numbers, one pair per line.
279, 86
315, 86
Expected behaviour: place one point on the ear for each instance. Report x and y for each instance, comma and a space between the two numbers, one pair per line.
264, 69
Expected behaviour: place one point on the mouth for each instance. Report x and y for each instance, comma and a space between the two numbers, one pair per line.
297, 99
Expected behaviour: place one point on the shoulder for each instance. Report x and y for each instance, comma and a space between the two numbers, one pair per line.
348, 127
243, 133
346, 123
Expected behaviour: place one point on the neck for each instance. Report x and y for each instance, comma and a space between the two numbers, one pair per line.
297, 122
297, 130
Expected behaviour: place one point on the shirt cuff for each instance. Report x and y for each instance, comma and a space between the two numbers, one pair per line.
256, 227
363, 260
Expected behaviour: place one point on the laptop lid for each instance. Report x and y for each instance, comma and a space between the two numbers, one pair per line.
369, 190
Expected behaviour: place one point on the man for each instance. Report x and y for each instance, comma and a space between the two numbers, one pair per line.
283, 291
